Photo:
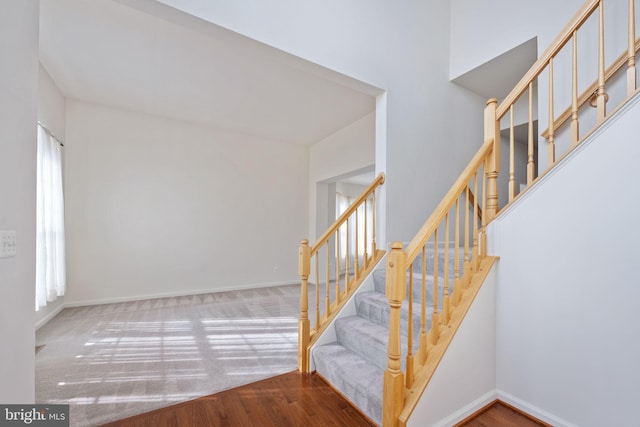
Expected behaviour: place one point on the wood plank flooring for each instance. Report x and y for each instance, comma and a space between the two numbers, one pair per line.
292, 399
499, 414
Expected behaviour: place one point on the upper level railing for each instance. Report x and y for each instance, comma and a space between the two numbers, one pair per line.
340, 258
469, 261
558, 68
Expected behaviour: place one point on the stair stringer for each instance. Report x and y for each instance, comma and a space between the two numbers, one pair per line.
349, 309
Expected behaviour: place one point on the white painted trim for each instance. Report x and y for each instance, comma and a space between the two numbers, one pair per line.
49, 316
179, 294
467, 410
533, 410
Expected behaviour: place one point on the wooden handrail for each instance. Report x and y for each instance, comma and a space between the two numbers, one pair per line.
593, 87
347, 213
565, 35
425, 232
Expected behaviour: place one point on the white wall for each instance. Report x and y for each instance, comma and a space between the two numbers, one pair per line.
51, 113
159, 207
465, 380
433, 128
18, 117
350, 149
568, 341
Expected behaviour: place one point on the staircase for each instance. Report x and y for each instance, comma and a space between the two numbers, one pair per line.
387, 350
355, 363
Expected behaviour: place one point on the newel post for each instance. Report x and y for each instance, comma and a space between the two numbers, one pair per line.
304, 266
492, 165
393, 393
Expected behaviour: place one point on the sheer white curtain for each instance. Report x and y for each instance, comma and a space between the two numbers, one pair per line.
50, 249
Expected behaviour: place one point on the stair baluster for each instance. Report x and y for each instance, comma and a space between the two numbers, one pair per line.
631, 51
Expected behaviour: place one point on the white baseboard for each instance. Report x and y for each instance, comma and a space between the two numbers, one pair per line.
178, 293
533, 410
467, 410
49, 316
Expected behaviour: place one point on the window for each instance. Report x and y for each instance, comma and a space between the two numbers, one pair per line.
50, 248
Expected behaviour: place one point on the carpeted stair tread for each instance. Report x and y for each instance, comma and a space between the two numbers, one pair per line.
360, 381
374, 306
368, 339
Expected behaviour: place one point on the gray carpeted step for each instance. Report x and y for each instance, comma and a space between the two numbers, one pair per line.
360, 381
369, 340
374, 306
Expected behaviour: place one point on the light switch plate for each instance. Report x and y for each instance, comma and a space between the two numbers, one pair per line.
7, 243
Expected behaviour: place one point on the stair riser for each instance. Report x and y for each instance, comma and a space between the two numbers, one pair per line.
377, 310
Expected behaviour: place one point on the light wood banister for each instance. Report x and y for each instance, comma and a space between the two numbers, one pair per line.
414, 248
347, 213
591, 89
327, 308
537, 68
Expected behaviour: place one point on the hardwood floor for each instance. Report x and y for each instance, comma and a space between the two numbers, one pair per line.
292, 399
499, 414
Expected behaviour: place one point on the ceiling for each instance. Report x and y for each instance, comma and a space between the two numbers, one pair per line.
143, 56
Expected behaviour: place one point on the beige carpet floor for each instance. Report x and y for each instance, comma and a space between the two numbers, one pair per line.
116, 360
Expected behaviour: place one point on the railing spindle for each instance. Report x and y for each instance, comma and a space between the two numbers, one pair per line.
574, 92
356, 270
328, 298
365, 244
601, 99
423, 309
467, 263
512, 148
631, 54
347, 283
484, 219
551, 147
409, 360
445, 300
474, 253
338, 293
456, 254
530, 161
373, 229
435, 333
317, 325
303, 324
